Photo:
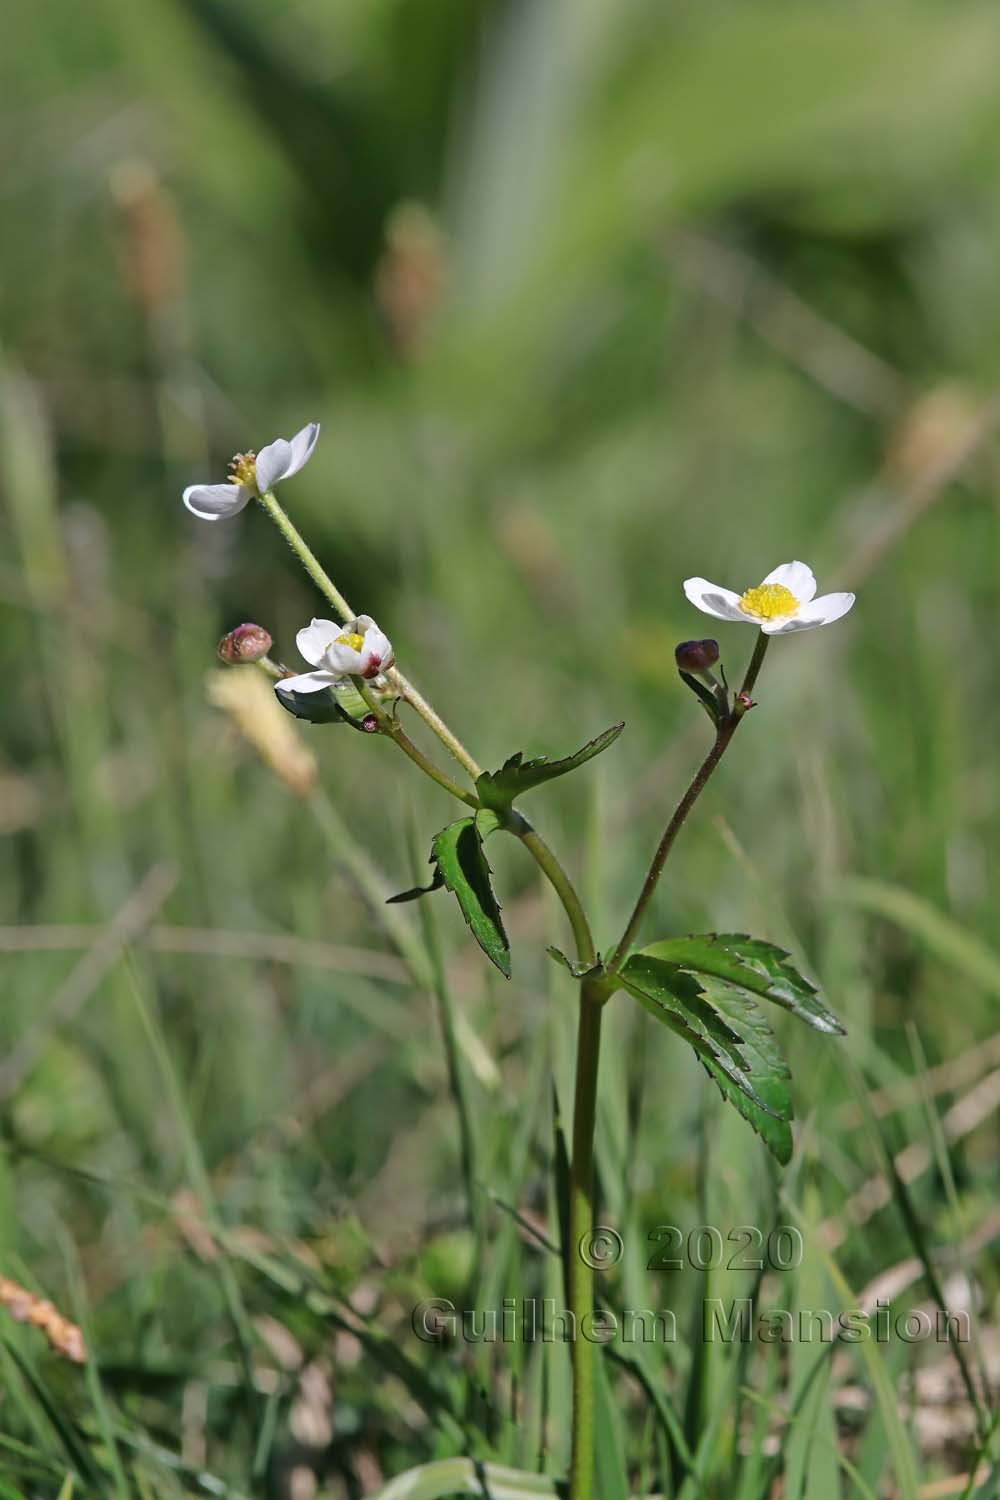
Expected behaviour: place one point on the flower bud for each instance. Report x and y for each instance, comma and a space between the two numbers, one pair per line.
696, 656
245, 643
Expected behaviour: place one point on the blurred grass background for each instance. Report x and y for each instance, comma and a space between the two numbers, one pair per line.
587, 299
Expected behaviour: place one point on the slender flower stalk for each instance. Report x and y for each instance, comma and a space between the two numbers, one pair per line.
306, 556
723, 738
563, 887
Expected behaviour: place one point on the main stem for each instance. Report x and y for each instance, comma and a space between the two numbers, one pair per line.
581, 1228
724, 734
579, 1273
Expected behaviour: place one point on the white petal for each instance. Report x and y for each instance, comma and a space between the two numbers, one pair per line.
785, 625
273, 463
307, 682
343, 659
713, 600
215, 502
797, 578
377, 652
302, 445
315, 640
821, 611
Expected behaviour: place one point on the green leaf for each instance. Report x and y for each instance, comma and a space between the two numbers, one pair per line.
768, 1068
487, 822
677, 999
343, 706
437, 881
709, 702
753, 964
578, 970
497, 789
460, 865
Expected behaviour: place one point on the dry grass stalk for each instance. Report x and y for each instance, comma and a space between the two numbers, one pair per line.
247, 697
64, 1337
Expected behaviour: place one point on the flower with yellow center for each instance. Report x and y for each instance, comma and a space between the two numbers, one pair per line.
783, 604
357, 649
252, 474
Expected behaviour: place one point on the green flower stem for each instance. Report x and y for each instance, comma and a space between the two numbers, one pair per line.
393, 730
564, 889
724, 734
754, 666
581, 1227
328, 588
448, 738
579, 1275
306, 556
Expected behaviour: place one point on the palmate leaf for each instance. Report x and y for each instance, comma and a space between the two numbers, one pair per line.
677, 999
754, 965
768, 1068
460, 865
498, 789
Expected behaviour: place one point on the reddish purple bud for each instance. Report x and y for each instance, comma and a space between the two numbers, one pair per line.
696, 656
369, 724
745, 701
245, 643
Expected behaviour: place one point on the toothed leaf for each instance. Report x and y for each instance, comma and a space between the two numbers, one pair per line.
498, 789
768, 1068
763, 968
460, 865
677, 1000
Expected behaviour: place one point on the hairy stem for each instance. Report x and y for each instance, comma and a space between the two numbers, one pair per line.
724, 734
306, 556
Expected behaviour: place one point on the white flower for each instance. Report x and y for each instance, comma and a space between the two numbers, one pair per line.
252, 474
785, 602
357, 649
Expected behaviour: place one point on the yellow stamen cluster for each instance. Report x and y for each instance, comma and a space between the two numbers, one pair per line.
769, 601
352, 639
243, 469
